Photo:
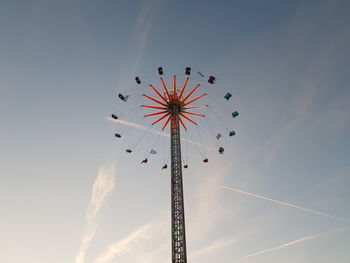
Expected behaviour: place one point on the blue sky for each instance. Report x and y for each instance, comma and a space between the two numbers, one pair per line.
68, 192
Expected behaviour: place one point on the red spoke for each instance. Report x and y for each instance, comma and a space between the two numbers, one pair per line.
175, 95
182, 123
183, 89
191, 101
160, 95
166, 123
192, 91
153, 107
161, 103
195, 107
187, 118
157, 113
161, 118
192, 113
165, 88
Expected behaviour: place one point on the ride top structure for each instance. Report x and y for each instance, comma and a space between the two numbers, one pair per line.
174, 108
174, 105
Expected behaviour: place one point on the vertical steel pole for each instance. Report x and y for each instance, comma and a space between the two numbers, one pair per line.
178, 236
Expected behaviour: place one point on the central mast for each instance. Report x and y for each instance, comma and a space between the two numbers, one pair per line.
175, 105
178, 235
174, 108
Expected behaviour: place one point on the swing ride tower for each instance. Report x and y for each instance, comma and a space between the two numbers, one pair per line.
178, 234
174, 106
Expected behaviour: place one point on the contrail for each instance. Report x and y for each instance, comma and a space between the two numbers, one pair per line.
101, 189
286, 204
294, 242
137, 126
141, 127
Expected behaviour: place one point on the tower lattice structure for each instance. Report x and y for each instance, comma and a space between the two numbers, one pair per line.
178, 233
174, 106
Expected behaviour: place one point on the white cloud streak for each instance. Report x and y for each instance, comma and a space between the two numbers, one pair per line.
139, 39
125, 245
285, 204
214, 246
154, 254
209, 209
144, 128
101, 189
297, 241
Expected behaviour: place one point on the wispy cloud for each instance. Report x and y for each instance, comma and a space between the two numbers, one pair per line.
151, 240
209, 208
285, 204
138, 41
101, 189
214, 246
155, 254
297, 241
125, 245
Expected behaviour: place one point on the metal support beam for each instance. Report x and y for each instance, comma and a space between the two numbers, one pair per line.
178, 236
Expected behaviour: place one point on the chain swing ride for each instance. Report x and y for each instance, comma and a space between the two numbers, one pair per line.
176, 107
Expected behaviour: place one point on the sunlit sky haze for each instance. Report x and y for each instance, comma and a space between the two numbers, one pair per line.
70, 193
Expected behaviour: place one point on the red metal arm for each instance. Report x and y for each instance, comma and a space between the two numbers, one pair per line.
153, 107
161, 103
175, 95
157, 113
201, 96
166, 123
195, 107
183, 89
192, 91
192, 113
187, 118
165, 88
182, 123
161, 118
160, 95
